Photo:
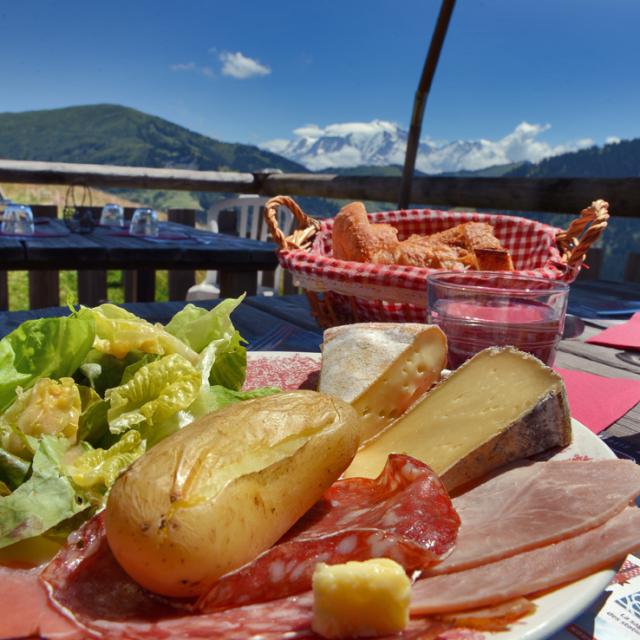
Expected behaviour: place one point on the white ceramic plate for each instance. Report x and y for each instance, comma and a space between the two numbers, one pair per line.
554, 610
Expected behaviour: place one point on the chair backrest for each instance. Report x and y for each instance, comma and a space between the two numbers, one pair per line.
249, 219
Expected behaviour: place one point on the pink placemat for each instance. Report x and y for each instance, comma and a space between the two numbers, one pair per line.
597, 402
622, 336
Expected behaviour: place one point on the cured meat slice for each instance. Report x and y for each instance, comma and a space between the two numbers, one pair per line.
531, 571
26, 611
87, 584
495, 618
405, 514
535, 505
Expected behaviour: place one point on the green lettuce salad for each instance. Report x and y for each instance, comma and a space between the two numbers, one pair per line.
83, 396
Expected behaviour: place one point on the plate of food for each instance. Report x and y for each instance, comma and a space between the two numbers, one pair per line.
257, 512
554, 609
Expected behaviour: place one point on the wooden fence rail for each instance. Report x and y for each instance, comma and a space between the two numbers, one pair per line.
561, 195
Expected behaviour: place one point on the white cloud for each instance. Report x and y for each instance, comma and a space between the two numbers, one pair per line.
309, 131
612, 140
279, 145
189, 66
192, 67
237, 65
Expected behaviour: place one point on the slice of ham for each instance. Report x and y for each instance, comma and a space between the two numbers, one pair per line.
535, 505
26, 611
405, 514
530, 572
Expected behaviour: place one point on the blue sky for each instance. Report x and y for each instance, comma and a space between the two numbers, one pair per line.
571, 64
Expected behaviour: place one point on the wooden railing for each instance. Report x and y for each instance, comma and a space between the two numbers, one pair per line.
561, 195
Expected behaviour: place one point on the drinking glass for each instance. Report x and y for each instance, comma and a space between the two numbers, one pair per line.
17, 219
480, 310
112, 215
144, 223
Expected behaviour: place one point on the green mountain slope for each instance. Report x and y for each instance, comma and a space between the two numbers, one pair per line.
615, 160
495, 171
111, 134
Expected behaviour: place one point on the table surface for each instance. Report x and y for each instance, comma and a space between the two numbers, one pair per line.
179, 246
289, 320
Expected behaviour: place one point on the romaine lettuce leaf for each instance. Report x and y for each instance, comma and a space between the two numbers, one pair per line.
216, 397
49, 407
97, 469
154, 393
93, 423
45, 499
43, 348
101, 371
197, 327
119, 332
13, 469
214, 332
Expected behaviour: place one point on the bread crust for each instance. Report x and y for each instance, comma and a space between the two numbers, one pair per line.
470, 245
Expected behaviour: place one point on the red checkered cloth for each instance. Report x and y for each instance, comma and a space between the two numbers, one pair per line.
374, 292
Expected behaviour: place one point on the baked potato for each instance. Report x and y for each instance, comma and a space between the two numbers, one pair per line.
214, 495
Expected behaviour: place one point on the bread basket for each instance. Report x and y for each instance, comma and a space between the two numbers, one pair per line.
341, 291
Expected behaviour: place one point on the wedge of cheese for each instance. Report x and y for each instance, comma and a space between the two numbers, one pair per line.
501, 405
381, 368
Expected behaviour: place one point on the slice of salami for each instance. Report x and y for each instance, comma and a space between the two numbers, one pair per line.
405, 514
86, 584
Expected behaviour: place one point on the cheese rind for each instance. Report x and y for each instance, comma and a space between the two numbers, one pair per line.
360, 599
501, 405
381, 368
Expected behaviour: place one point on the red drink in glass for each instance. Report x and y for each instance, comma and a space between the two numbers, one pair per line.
486, 309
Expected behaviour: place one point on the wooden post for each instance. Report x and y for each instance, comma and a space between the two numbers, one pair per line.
180, 280
428, 71
92, 283
4, 291
44, 286
235, 283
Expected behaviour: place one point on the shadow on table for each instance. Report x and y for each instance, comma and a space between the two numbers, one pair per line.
625, 446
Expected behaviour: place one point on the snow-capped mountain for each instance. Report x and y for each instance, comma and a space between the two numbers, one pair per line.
383, 143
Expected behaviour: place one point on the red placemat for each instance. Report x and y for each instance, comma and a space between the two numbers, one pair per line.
622, 336
597, 402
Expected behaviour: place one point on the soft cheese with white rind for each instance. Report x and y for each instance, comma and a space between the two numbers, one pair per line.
381, 368
501, 405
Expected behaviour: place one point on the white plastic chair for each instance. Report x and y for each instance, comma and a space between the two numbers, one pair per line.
249, 224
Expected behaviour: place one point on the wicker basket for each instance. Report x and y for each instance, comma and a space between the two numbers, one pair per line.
341, 291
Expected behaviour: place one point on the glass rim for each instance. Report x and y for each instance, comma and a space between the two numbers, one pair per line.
551, 286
